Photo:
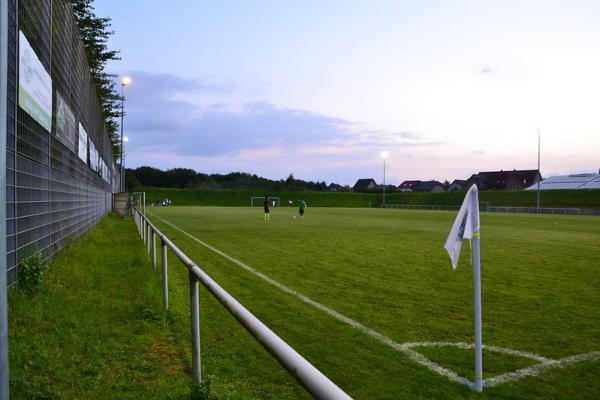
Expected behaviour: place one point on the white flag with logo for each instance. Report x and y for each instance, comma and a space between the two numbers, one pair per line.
466, 225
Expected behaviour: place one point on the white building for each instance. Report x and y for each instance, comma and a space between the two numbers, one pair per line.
575, 181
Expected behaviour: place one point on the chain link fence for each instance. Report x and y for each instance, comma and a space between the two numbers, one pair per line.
60, 172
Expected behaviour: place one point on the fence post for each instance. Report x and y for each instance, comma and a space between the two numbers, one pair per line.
143, 230
195, 319
4, 24
154, 249
165, 274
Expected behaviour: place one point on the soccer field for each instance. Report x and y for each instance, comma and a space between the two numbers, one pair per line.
386, 270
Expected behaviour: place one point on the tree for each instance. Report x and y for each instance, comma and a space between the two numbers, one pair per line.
188, 178
94, 32
131, 181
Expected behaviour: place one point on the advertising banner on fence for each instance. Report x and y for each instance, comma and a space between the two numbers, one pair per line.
83, 144
105, 171
35, 85
66, 125
93, 156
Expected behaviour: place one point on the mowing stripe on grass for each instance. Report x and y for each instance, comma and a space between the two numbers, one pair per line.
340, 317
544, 365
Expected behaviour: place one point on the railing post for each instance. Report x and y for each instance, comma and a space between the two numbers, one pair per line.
138, 223
154, 249
195, 319
148, 238
165, 274
144, 230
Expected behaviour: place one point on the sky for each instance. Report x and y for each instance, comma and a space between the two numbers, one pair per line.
320, 88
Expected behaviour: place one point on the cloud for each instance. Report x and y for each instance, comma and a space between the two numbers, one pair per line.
164, 116
486, 71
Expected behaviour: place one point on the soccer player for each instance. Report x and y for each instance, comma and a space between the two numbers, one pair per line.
301, 208
266, 207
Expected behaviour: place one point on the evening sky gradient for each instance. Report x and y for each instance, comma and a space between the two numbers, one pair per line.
321, 88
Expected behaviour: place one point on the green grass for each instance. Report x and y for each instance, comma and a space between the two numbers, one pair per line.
94, 328
387, 270
588, 199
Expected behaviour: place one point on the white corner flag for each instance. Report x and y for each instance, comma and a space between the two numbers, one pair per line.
466, 226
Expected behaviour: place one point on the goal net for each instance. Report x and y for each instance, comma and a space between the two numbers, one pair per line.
258, 201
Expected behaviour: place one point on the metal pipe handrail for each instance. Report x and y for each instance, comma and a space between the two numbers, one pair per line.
313, 380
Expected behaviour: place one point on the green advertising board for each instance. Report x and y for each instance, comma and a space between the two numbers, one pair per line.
66, 124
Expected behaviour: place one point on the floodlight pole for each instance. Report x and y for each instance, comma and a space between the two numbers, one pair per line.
540, 177
4, 381
124, 82
384, 182
384, 155
122, 115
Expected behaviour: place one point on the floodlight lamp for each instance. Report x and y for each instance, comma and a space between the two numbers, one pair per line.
126, 81
385, 154
125, 139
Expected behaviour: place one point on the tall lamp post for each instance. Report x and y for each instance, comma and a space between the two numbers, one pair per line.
124, 82
538, 182
384, 155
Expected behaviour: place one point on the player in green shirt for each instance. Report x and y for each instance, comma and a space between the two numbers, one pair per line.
301, 208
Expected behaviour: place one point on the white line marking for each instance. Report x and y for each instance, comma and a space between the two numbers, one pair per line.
544, 364
537, 369
469, 346
407, 348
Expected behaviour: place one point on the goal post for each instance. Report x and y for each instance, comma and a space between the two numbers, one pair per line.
258, 201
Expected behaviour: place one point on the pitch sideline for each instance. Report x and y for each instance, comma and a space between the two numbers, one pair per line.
545, 364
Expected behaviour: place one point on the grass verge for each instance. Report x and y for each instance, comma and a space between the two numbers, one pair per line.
95, 327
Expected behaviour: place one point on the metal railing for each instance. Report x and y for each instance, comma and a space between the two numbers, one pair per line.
317, 384
534, 210
487, 207
422, 207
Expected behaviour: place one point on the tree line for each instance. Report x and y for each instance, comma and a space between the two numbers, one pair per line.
185, 178
95, 32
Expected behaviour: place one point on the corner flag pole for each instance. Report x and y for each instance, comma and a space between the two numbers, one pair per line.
466, 226
475, 257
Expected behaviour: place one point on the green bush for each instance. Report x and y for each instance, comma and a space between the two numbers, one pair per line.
30, 272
